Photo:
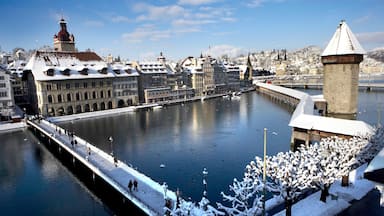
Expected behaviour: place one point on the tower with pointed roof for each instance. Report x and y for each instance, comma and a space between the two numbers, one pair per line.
341, 59
63, 41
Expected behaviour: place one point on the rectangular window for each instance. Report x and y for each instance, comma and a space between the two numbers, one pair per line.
2, 85
3, 94
77, 85
68, 86
93, 84
49, 87
85, 85
101, 83
2, 78
58, 86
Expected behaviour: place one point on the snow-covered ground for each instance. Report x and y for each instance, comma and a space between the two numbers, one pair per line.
339, 199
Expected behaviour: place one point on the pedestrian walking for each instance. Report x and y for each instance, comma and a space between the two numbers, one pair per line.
135, 185
130, 185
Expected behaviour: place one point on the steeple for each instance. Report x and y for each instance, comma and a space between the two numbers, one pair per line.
63, 41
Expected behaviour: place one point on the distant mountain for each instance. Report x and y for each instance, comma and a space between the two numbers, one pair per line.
377, 54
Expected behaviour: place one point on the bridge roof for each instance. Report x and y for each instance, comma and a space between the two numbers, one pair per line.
343, 42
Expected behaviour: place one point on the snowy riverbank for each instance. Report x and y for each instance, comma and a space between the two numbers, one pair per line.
9, 127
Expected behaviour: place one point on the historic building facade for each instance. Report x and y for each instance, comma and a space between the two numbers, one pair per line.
65, 81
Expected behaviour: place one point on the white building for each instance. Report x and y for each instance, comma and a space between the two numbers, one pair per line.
6, 96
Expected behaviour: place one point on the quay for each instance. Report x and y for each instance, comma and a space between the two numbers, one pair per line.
306, 126
105, 175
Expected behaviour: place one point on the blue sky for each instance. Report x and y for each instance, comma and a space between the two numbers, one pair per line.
139, 30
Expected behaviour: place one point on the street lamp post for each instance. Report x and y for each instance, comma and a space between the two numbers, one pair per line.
264, 169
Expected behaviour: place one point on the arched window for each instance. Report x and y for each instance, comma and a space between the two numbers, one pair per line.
69, 97
101, 94
85, 95
77, 96
109, 93
94, 95
59, 99
49, 98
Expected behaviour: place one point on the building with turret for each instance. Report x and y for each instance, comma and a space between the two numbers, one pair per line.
341, 59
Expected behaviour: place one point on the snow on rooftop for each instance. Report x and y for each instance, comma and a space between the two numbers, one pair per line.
303, 116
343, 42
65, 66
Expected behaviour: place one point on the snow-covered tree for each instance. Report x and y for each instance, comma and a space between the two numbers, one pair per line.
321, 165
288, 176
246, 198
189, 208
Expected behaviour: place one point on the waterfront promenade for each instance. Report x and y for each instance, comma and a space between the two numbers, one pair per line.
149, 197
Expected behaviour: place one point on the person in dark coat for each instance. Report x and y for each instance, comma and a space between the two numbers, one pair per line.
135, 185
130, 185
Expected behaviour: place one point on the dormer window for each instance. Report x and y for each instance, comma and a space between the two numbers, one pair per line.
128, 71
117, 71
84, 71
50, 72
103, 70
66, 72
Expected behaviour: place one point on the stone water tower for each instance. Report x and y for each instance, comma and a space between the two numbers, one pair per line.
341, 59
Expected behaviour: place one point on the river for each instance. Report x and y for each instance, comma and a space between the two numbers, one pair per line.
221, 135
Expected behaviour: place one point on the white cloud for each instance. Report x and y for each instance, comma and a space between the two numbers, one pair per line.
119, 18
146, 32
219, 50
259, 3
371, 37
191, 22
93, 23
152, 12
196, 2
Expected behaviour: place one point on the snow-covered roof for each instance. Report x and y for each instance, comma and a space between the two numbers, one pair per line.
287, 91
343, 42
46, 66
303, 116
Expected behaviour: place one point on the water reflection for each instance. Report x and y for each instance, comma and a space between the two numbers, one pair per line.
11, 167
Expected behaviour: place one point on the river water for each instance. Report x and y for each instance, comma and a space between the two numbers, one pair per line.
221, 135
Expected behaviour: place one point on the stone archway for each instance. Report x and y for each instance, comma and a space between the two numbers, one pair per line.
110, 105
102, 106
78, 109
94, 107
69, 110
120, 103
51, 111
60, 111
86, 108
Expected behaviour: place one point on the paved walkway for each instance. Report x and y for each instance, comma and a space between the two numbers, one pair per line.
150, 194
